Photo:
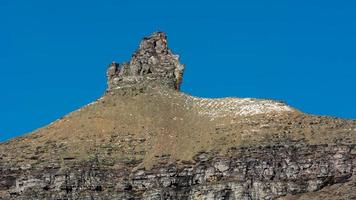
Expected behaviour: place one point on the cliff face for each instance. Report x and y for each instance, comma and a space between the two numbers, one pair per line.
247, 173
146, 140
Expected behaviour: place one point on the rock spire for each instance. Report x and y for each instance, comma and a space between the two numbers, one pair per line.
152, 65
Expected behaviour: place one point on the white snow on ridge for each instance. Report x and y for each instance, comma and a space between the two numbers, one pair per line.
232, 107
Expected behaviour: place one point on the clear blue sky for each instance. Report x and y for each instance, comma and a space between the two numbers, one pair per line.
54, 54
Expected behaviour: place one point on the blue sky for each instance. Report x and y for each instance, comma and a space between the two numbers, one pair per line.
54, 54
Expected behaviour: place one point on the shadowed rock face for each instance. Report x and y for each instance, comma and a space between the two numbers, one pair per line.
146, 140
152, 65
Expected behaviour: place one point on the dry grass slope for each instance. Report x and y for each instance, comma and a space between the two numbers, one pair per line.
144, 127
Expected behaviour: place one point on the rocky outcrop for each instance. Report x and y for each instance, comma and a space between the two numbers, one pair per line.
160, 144
152, 65
247, 173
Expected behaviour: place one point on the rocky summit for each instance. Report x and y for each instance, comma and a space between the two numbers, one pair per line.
153, 64
144, 139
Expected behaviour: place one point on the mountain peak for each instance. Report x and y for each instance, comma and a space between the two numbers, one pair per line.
162, 144
152, 65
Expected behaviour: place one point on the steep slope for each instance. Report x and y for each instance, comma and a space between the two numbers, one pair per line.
146, 140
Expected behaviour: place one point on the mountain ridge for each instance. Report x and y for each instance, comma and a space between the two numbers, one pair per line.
144, 139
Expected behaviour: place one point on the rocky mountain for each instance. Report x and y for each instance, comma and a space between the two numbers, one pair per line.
144, 139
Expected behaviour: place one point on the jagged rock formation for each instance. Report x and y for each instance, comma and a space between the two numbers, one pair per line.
153, 64
146, 140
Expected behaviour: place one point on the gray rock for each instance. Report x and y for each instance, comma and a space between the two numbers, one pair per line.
265, 177
152, 65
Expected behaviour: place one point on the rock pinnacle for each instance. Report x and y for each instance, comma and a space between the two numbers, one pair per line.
152, 65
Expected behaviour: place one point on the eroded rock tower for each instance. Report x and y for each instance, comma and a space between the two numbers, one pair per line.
152, 65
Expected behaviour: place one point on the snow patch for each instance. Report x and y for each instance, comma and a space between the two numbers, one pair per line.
233, 107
